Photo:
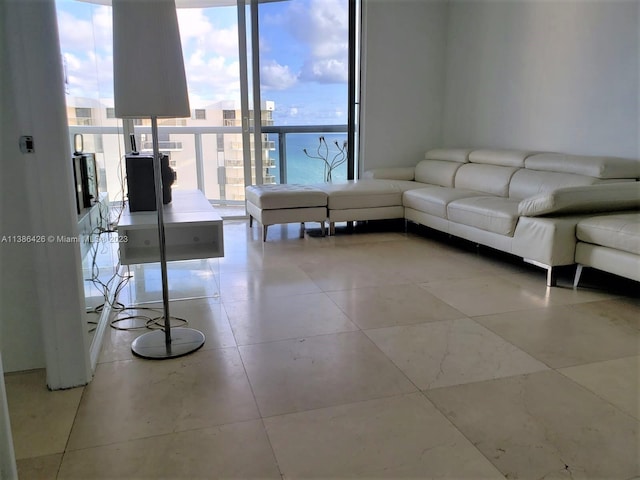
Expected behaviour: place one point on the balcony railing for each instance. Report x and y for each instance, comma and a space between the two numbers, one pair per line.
210, 163
164, 146
266, 145
266, 163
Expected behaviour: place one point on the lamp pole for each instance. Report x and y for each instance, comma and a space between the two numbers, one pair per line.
150, 82
158, 345
157, 176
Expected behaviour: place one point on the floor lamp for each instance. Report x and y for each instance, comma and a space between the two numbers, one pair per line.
149, 82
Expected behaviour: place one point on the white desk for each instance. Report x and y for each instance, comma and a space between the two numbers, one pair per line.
192, 230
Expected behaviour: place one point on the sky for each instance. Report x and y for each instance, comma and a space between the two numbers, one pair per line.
303, 56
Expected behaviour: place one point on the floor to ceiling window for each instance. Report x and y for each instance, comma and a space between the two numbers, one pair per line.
304, 70
86, 42
296, 52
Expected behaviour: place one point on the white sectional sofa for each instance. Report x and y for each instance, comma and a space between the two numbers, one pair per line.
524, 203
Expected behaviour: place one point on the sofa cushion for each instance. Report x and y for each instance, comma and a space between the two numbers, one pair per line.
361, 194
600, 167
434, 200
271, 197
437, 172
391, 173
404, 185
506, 158
527, 183
491, 179
460, 155
619, 231
592, 198
493, 214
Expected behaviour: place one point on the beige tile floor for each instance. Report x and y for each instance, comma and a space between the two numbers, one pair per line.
380, 354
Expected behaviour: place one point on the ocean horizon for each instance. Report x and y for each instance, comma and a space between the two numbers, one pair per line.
300, 168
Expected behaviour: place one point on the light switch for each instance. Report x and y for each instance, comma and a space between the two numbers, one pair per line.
26, 144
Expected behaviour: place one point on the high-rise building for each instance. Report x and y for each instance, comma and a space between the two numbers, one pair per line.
201, 152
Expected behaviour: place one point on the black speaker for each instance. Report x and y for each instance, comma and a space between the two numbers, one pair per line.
140, 182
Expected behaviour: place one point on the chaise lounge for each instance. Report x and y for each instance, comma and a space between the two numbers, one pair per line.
610, 243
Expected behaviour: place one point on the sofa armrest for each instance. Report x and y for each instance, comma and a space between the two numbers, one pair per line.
591, 198
391, 173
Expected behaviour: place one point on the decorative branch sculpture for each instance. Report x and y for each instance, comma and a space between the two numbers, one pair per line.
323, 154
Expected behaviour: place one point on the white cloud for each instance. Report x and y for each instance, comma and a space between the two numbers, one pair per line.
197, 31
90, 77
88, 52
73, 31
317, 21
87, 48
103, 28
277, 77
323, 25
211, 79
211, 58
78, 34
73, 63
325, 71
193, 23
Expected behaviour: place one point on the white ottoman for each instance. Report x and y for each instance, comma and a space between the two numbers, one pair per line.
355, 200
286, 203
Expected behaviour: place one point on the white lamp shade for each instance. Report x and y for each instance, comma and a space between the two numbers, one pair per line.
148, 66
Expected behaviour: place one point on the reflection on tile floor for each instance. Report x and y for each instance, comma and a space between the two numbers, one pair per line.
379, 354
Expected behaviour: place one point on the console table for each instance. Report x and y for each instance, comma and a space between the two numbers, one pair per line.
192, 230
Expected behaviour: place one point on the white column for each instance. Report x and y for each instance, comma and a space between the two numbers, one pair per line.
41, 290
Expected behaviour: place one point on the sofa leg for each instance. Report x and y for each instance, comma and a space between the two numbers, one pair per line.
250, 221
301, 229
322, 229
332, 228
264, 232
576, 279
552, 279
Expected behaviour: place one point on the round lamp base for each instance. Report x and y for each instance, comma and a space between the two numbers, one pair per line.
153, 345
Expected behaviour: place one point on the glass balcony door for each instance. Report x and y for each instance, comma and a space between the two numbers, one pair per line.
305, 57
255, 105
218, 74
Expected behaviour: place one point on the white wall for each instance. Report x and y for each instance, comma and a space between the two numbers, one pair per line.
402, 79
548, 75
20, 334
42, 320
8, 468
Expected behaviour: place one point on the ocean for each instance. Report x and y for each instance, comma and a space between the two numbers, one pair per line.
302, 169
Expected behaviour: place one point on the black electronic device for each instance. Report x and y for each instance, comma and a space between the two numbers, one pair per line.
132, 139
85, 174
78, 182
141, 184
92, 196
